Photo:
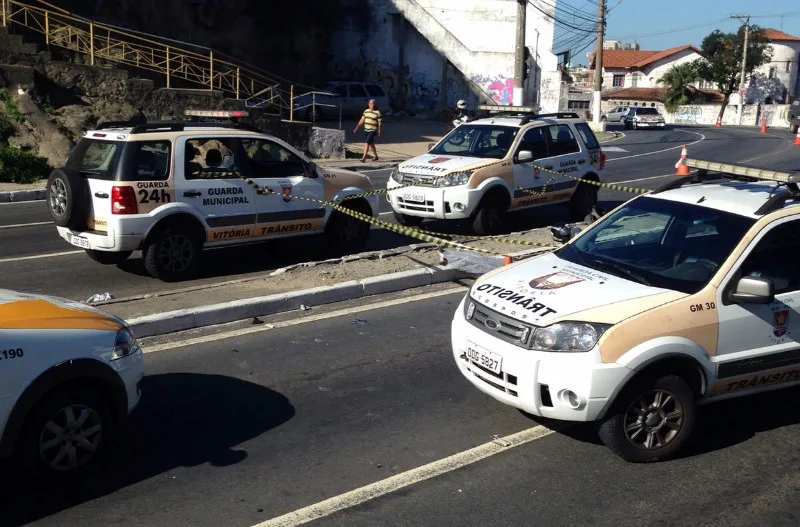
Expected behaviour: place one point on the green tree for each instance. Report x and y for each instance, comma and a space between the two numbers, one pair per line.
678, 81
722, 61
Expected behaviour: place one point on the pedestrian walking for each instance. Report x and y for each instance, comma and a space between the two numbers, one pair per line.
371, 119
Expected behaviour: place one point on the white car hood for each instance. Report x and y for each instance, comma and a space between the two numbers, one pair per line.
547, 289
438, 165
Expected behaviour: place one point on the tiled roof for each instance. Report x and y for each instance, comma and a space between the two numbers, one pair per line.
653, 94
774, 34
634, 58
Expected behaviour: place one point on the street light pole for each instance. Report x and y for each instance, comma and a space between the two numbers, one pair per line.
744, 65
598, 61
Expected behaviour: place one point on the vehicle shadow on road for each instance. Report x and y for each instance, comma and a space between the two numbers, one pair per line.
184, 420
717, 426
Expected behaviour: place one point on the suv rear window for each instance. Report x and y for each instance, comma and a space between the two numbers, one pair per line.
95, 158
589, 139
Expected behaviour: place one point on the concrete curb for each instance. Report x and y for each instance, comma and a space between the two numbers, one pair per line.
14, 196
183, 319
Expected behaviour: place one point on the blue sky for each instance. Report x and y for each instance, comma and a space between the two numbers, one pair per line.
662, 24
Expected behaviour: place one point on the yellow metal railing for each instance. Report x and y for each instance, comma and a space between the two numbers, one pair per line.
101, 42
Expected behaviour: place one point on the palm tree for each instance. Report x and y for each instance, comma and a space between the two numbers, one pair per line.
678, 80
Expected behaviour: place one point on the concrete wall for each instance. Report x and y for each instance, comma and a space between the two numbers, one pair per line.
475, 36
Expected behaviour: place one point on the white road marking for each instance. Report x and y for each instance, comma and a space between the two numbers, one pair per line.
614, 149
26, 225
37, 256
300, 321
404, 479
702, 138
375, 169
638, 179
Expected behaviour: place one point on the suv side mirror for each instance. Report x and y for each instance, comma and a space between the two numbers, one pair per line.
752, 290
311, 170
524, 155
563, 233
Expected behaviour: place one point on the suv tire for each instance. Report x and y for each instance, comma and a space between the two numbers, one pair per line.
408, 221
173, 254
582, 202
676, 399
108, 257
347, 234
67, 198
491, 217
85, 424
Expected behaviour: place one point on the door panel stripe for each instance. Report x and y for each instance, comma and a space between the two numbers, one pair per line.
758, 363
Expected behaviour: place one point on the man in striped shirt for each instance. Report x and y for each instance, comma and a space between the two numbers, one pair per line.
371, 119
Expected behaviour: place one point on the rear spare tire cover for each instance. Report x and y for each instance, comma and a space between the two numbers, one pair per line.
67, 197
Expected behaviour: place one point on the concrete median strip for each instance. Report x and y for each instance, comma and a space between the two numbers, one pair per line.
184, 319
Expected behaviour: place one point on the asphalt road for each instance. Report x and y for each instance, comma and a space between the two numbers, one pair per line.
240, 430
33, 257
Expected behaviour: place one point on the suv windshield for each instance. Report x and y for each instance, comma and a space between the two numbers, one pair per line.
646, 111
659, 242
95, 158
478, 141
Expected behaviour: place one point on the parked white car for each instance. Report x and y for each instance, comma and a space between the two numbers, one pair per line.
69, 376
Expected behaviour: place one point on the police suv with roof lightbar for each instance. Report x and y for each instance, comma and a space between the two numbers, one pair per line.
172, 188
512, 160
686, 295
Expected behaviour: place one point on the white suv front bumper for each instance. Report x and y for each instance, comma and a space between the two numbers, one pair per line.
534, 381
443, 203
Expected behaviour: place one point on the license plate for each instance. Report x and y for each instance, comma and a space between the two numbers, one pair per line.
483, 357
79, 242
413, 196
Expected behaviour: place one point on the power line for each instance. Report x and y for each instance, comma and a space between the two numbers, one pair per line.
559, 22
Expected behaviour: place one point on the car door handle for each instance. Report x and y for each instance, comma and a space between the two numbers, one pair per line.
550, 167
101, 195
192, 194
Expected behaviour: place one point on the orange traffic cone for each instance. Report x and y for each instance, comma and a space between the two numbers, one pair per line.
719, 122
507, 260
763, 125
797, 137
683, 170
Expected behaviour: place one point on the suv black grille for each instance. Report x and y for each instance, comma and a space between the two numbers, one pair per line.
508, 329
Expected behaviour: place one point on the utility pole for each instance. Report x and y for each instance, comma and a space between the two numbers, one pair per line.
746, 20
519, 58
598, 61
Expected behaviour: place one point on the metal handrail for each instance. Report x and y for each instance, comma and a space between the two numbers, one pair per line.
101, 41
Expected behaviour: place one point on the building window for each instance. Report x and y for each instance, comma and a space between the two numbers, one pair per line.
788, 66
772, 71
578, 105
619, 81
634, 79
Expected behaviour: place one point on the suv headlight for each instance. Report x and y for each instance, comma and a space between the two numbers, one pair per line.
454, 180
395, 175
568, 336
124, 345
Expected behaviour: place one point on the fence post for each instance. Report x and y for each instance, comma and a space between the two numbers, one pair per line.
91, 43
237, 83
167, 67
46, 29
5, 9
211, 69
291, 102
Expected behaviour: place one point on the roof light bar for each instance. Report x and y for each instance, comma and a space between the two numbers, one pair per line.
501, 108
216, 113
740, 170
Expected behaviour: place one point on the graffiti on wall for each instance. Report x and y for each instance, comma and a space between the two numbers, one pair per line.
499, 87
688, 114
419, 91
